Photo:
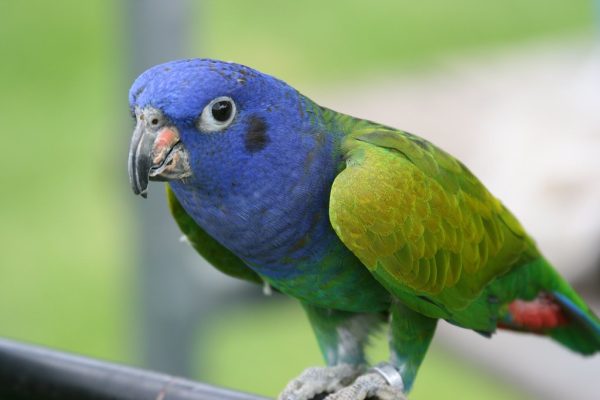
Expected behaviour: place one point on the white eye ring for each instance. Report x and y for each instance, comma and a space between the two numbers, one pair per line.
217, 115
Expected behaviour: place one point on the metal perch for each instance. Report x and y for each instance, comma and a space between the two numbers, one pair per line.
34, 373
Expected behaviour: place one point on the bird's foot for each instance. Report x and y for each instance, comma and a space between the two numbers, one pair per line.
318, 380
383, 382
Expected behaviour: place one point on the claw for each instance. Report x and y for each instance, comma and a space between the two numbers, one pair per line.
317, 380
369, 385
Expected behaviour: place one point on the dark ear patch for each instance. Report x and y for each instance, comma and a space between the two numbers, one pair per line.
256, 137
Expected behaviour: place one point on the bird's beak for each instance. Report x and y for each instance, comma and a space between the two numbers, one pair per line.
156, 153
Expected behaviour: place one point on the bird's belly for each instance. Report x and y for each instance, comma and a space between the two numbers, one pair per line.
335, 280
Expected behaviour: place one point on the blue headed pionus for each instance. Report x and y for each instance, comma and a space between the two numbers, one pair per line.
362, 223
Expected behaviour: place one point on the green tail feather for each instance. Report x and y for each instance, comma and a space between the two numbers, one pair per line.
583, 333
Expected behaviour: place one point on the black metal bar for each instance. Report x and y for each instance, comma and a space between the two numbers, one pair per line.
34, 373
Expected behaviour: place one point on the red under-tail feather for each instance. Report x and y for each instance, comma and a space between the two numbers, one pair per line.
536, 316
555, 315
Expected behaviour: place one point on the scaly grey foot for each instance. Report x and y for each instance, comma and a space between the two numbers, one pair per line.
316, 380
382, 382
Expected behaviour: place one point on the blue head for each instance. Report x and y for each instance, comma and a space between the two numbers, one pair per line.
241, 149
229, 119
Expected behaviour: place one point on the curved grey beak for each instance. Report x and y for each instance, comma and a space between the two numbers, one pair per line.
156, 152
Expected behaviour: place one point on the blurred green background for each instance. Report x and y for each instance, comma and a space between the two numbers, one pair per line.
66, 221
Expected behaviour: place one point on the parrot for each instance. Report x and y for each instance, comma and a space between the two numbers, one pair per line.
365, 225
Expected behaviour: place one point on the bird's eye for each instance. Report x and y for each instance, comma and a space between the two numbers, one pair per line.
221, 110
217, 115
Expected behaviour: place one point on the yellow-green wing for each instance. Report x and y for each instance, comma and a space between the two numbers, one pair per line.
220, 257
420, 221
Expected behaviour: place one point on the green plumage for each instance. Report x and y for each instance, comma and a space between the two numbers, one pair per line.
422, 223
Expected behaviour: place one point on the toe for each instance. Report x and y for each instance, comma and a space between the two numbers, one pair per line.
320, 380
370, 385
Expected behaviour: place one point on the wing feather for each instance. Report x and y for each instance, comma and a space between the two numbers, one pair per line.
420, 221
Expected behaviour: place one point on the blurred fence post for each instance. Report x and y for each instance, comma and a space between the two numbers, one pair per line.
176, 298
159, 31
